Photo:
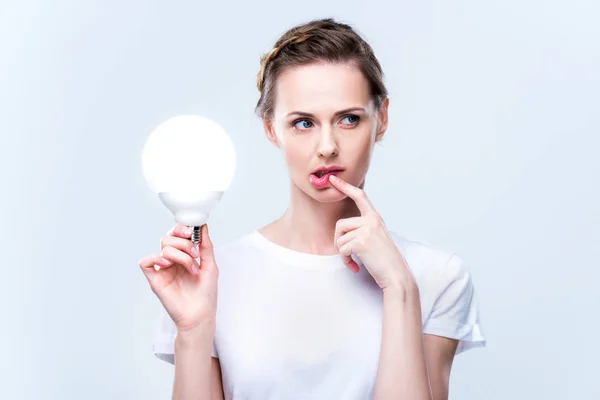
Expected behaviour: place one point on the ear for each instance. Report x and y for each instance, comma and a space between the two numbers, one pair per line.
382, 122
270, 131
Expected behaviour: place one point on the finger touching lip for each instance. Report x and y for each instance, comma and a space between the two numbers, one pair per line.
320, 182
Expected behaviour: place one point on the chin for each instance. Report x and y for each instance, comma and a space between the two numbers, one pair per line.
326, 195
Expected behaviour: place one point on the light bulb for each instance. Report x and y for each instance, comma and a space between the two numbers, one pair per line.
189, 161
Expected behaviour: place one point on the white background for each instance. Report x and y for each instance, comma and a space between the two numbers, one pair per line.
491, 152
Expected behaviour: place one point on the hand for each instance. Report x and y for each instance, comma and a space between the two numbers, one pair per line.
186, 289
368, 238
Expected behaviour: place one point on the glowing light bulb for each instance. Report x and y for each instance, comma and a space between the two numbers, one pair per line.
189, 161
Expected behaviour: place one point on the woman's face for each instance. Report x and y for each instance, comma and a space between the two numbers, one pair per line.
324, 118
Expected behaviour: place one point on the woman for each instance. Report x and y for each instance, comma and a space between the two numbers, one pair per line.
324, 302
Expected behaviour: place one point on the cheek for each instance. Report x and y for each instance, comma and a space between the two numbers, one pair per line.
363, 161
360, 155
362, 146
294, 155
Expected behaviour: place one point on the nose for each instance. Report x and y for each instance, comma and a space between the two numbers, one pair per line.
327, 146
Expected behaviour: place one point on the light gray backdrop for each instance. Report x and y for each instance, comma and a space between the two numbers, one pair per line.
491, 152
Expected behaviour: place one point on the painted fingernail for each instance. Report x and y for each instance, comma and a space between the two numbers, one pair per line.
156, 267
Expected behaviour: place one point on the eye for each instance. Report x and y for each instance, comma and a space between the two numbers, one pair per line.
352, 119
302, 124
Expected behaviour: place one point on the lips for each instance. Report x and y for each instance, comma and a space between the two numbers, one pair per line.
319, 172
320, 177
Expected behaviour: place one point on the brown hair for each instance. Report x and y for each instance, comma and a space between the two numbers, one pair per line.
323, 40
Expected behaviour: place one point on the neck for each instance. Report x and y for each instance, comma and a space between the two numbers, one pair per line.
309, 225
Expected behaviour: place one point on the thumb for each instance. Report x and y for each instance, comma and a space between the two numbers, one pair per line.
206, 250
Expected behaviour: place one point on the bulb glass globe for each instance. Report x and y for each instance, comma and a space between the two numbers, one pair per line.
189, 161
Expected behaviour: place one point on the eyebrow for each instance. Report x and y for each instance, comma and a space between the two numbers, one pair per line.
337, 113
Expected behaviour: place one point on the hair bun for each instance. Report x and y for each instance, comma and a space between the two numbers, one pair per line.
268, 57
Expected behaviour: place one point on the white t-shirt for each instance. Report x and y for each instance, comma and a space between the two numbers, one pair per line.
293, 325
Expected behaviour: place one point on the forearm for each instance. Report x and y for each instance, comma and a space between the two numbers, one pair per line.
193, 363
402, 371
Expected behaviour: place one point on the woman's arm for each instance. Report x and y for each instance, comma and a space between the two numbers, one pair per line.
402, 370
411, 365
193, 363
439, 353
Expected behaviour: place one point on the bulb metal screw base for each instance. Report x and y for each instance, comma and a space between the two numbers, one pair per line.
196, 234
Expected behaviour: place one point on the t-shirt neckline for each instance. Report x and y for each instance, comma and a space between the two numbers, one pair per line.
296, 258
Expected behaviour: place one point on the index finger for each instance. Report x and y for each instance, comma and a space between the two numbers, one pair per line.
358, 195
179, 230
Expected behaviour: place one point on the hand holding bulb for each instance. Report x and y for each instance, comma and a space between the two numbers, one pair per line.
189, 161
187, 292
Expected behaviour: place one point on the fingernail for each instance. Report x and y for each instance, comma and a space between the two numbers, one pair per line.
187, 232
195, 251
334, 178
156, 267
164, 260
194, 268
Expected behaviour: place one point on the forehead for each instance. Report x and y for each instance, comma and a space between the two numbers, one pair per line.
321, 88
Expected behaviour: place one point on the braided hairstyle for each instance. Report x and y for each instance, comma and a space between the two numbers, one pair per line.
323, 40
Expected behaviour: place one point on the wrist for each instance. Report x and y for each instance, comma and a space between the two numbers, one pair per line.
401, 285
199, 333
399, 277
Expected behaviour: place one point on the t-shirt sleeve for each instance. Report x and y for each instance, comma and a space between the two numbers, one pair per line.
455, 313
164, 341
